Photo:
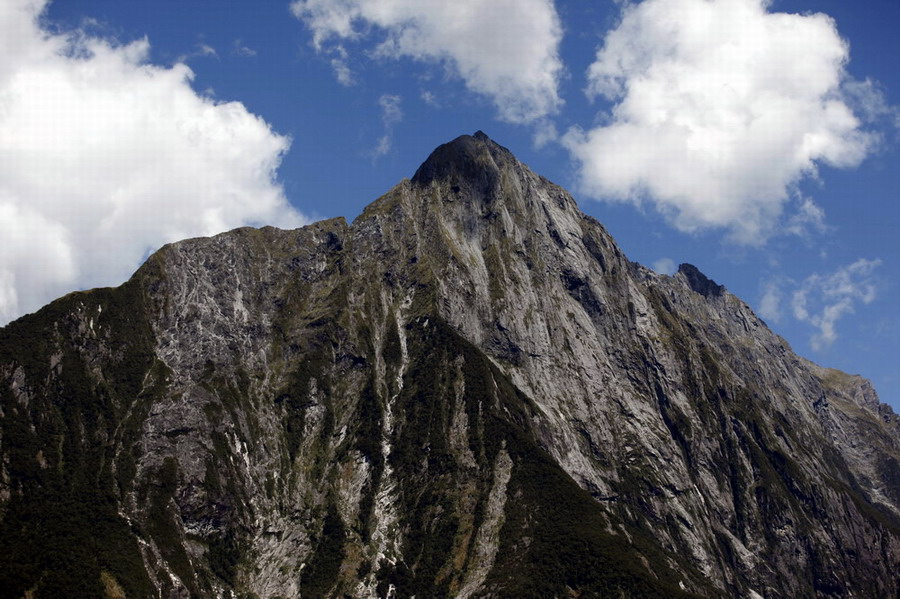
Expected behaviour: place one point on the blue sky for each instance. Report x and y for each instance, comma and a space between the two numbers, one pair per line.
126, 125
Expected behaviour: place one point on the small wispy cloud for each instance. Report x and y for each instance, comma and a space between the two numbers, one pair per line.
809, 218
664, 266
545, 133
821, 300
338, 62
201, 50
383, 146
770, 302
430, 99
207, 50
869, 101
239, 49
391, 115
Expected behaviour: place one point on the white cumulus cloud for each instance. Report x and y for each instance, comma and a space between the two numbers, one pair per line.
105, 157
718, 109
506, 50
821, 300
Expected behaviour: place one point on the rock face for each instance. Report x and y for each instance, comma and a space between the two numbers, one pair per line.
467, 392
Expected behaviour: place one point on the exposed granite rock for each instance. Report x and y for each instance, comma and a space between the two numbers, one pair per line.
469, 391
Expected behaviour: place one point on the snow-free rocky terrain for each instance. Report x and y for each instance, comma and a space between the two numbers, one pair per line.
467, 392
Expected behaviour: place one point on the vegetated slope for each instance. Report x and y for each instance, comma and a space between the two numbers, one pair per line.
467, 392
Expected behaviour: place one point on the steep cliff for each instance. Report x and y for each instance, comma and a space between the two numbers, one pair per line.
469, 391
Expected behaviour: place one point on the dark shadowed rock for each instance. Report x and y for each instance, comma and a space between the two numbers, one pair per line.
470, 163
697, 281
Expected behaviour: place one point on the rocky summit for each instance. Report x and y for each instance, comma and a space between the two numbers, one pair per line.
467, 392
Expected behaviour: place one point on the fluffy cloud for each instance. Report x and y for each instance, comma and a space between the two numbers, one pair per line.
105, 157
823, 299
506, 50
719, 109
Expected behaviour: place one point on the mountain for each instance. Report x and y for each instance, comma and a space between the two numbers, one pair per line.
467, 392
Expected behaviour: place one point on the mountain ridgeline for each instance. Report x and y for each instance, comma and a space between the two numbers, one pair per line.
467, 392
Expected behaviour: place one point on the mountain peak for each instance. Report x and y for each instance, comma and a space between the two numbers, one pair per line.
467, 160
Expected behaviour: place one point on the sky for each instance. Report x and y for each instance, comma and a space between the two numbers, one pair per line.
759, 141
